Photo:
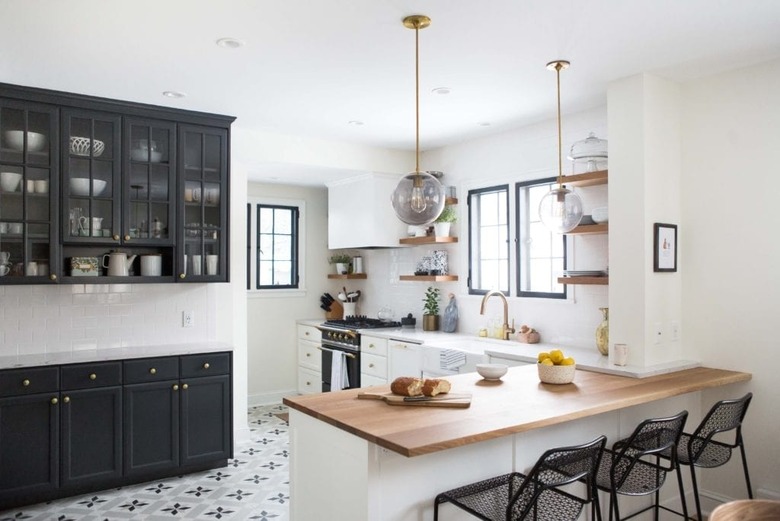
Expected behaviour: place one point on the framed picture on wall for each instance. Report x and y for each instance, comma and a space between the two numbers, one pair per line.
665, 247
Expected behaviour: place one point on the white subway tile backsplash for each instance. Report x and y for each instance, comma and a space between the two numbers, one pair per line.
54, 318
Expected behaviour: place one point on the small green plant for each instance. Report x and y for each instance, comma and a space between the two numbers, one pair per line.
431, 306
339, 258
448, 215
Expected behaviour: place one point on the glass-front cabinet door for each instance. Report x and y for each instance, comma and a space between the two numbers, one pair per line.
150, 183
203, 189
91, 177
28, 193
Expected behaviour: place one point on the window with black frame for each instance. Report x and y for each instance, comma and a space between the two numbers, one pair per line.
489, 239
541, 254
273, 246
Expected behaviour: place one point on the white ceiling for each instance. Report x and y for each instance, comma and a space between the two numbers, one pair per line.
309, 67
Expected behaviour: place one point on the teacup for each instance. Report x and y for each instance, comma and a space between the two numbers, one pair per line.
4, 257
4, 270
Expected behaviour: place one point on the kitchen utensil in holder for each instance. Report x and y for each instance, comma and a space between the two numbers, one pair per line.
336, 311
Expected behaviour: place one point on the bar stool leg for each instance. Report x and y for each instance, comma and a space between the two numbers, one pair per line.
682, 493
745, 468
696, 492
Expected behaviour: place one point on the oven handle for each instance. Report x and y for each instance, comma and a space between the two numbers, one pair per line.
349, 355
349, 332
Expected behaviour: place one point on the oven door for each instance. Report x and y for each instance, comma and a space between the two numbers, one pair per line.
352, 362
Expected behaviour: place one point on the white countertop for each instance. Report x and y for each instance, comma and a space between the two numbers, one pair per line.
119, 353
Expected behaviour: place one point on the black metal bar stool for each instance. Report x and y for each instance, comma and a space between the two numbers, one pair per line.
537, 495
701, 450
633, 467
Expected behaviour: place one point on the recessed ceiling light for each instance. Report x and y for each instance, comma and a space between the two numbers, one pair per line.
173, 94
484, 123
441, 90
356, 123
230, 43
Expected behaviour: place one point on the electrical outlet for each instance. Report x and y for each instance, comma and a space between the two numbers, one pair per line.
187, 319
674, 330
658, 333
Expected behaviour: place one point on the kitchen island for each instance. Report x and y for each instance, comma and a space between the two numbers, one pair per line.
365, 460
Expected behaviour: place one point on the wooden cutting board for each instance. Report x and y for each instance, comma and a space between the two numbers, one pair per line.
459, 400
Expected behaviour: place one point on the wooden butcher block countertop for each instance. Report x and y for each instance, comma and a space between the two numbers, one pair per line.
517, 403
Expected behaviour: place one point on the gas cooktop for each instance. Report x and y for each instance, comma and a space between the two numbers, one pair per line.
360, 322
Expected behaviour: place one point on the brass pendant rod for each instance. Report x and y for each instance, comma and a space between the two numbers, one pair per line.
417, 95
560, 140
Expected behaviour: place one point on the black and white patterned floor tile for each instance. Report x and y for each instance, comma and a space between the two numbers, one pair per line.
253, 486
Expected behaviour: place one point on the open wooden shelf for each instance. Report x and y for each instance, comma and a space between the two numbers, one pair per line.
430, 278
586, 179
450, 200
348, 276
591, 281
590, 229
428, 240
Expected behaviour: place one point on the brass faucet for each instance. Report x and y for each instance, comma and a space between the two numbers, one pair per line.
505, 329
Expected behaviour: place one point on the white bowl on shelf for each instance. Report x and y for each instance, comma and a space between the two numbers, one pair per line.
492, 371
600, 214
9, 181
81, 146
80, 186
15, 140
139, 154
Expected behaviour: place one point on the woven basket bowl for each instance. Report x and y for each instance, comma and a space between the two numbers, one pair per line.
81, 145
556, 374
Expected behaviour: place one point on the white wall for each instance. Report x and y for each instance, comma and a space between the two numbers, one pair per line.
271, 328
730, 284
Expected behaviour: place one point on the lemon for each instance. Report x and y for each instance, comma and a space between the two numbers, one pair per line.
546, 361
556, 355
542, 356
567, 361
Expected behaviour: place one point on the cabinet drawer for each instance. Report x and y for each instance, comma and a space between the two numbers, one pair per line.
309, 381
373, 345
86, 376
17, 382
309, 333
373, 365
207, 364
366, 380
309, 355
151, 369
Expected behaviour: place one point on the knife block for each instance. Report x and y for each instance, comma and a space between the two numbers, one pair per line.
336, 311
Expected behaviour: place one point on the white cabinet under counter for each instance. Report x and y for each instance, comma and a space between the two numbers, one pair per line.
309, 360
373, 360
404, 359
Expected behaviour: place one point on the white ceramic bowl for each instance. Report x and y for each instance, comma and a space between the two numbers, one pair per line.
81, 146
492, 371
9, 181
139, 154
80, 186
556, 374
15, 140
600, 214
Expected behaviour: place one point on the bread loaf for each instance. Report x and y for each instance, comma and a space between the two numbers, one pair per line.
407, 386
434, 386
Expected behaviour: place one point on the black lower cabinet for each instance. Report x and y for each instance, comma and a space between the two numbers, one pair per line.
29, 447
151, 428
91, 436
75, 428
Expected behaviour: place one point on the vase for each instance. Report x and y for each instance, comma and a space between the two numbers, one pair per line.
442, 229
342, 268
430, 322
602, 333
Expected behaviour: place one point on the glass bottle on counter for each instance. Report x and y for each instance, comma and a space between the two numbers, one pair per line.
450, 322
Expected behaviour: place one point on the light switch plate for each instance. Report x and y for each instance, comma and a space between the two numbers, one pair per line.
187, 319
674, 330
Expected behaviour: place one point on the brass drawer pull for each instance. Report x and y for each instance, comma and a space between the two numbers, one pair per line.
152, 371
26, 382
370, 365
206, 365
54, 401
185, 386
66, 399
175, 387
93, 376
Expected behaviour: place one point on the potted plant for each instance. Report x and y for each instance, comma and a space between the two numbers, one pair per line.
444, 221
431, 309
341, 260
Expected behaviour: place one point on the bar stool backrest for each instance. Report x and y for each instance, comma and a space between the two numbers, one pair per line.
724, 416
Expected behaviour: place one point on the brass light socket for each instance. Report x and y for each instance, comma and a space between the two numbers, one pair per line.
417, 21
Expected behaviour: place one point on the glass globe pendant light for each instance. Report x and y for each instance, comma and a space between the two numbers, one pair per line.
561, 209
419, 197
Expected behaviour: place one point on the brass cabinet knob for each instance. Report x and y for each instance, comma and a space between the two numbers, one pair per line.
206, 365
53, 276
26, 382
308, 383
127, 238
152, 371
306, 333
116, 236
371, 346
370, 365
93, 376
175, 387
308, 355
54, 401
65, 399
182, 275
185, 386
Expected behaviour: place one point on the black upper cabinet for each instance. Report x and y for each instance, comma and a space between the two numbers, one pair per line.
150, 180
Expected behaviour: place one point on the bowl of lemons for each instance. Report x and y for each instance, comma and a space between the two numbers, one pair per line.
555, 368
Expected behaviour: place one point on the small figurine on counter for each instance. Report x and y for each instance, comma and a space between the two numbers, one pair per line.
527, 335
450, 322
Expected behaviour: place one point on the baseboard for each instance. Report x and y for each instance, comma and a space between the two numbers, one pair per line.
254, 400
